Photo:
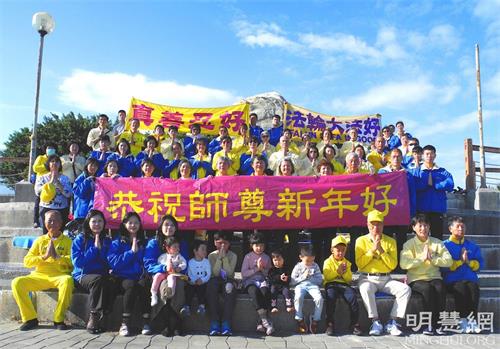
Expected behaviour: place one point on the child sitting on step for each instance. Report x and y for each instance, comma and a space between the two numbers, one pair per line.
175, 264
337, 276
279, 280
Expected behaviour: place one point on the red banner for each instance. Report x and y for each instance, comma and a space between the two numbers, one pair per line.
249, 202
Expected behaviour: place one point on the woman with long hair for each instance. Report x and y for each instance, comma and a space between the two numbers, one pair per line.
91, 268
125, 258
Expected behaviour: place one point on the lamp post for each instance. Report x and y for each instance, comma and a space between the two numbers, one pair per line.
44, 24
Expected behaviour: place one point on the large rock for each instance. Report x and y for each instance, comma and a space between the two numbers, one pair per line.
266, 105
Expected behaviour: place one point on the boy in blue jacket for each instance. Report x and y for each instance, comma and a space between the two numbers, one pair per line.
461, 278
432, 183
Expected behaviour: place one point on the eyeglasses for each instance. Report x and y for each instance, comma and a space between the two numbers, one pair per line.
412, 144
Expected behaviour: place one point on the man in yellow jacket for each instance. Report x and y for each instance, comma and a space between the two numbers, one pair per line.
376, 257
50, 255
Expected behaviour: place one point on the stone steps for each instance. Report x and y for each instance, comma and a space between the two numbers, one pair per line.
244, 313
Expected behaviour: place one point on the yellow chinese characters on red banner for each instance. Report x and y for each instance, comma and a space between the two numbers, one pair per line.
256, 202
301, 120
152, 114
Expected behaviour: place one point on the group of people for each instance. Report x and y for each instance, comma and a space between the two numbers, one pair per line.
154, 274
69, 181
173, 268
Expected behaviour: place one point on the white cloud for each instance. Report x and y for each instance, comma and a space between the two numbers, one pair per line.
108, 92
392, 95
492, 86
262, 35
457, 123
399, 95
443, 37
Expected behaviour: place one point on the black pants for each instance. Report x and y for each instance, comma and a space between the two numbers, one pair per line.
399, 233
216, 286
433, 293
354, 233
36, 211
102, 291
260, 296
321, 240
277, 289
198, 290
436, 221
135, 290
466, 295
334, 290
64, 216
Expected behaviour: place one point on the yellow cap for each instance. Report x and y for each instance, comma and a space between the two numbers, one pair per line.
375, 216
48, 192
339, 239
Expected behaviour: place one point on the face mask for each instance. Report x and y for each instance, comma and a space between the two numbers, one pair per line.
51, 152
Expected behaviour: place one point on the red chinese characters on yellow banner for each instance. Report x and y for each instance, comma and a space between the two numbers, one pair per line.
209, 119
249, 202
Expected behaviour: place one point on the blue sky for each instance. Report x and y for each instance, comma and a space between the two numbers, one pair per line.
408, 60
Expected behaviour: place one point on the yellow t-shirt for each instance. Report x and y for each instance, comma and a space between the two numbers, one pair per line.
136, 141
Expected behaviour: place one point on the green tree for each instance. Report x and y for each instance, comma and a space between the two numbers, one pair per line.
59, 130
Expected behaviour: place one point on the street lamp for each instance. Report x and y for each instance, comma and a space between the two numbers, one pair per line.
44, 24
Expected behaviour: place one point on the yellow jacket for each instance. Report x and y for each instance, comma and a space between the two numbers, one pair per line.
369, 262
377, 160
228, 263
39, 165
235, 161
50, 266
330, 266
412, 259
136, 141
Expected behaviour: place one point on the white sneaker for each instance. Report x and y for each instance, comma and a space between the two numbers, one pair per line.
146, 330
185, 311
462, 325
268, 326
124, 332
154, 299
376, 328
201, 309
392, 327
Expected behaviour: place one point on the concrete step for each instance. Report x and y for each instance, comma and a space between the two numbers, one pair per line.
477, 222
245, 316
16, 214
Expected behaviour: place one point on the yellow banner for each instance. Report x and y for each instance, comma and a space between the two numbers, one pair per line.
301, 120
151, 114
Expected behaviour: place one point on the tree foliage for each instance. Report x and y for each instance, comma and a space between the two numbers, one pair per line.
59, 130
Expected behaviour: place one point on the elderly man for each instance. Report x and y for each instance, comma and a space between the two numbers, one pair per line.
353, 163
50, 255
378, 157
284, 152
101, 130
350, 144
376, 258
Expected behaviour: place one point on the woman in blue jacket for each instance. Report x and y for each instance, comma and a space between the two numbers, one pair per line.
149, 152
83, 189
126, 162
461, 278
168, 227
91, 269
125, 259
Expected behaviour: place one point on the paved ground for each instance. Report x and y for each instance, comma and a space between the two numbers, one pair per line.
47, 337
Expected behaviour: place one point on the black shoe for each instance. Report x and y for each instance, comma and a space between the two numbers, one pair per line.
29, 325
356, 330
60, 326
93, 324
